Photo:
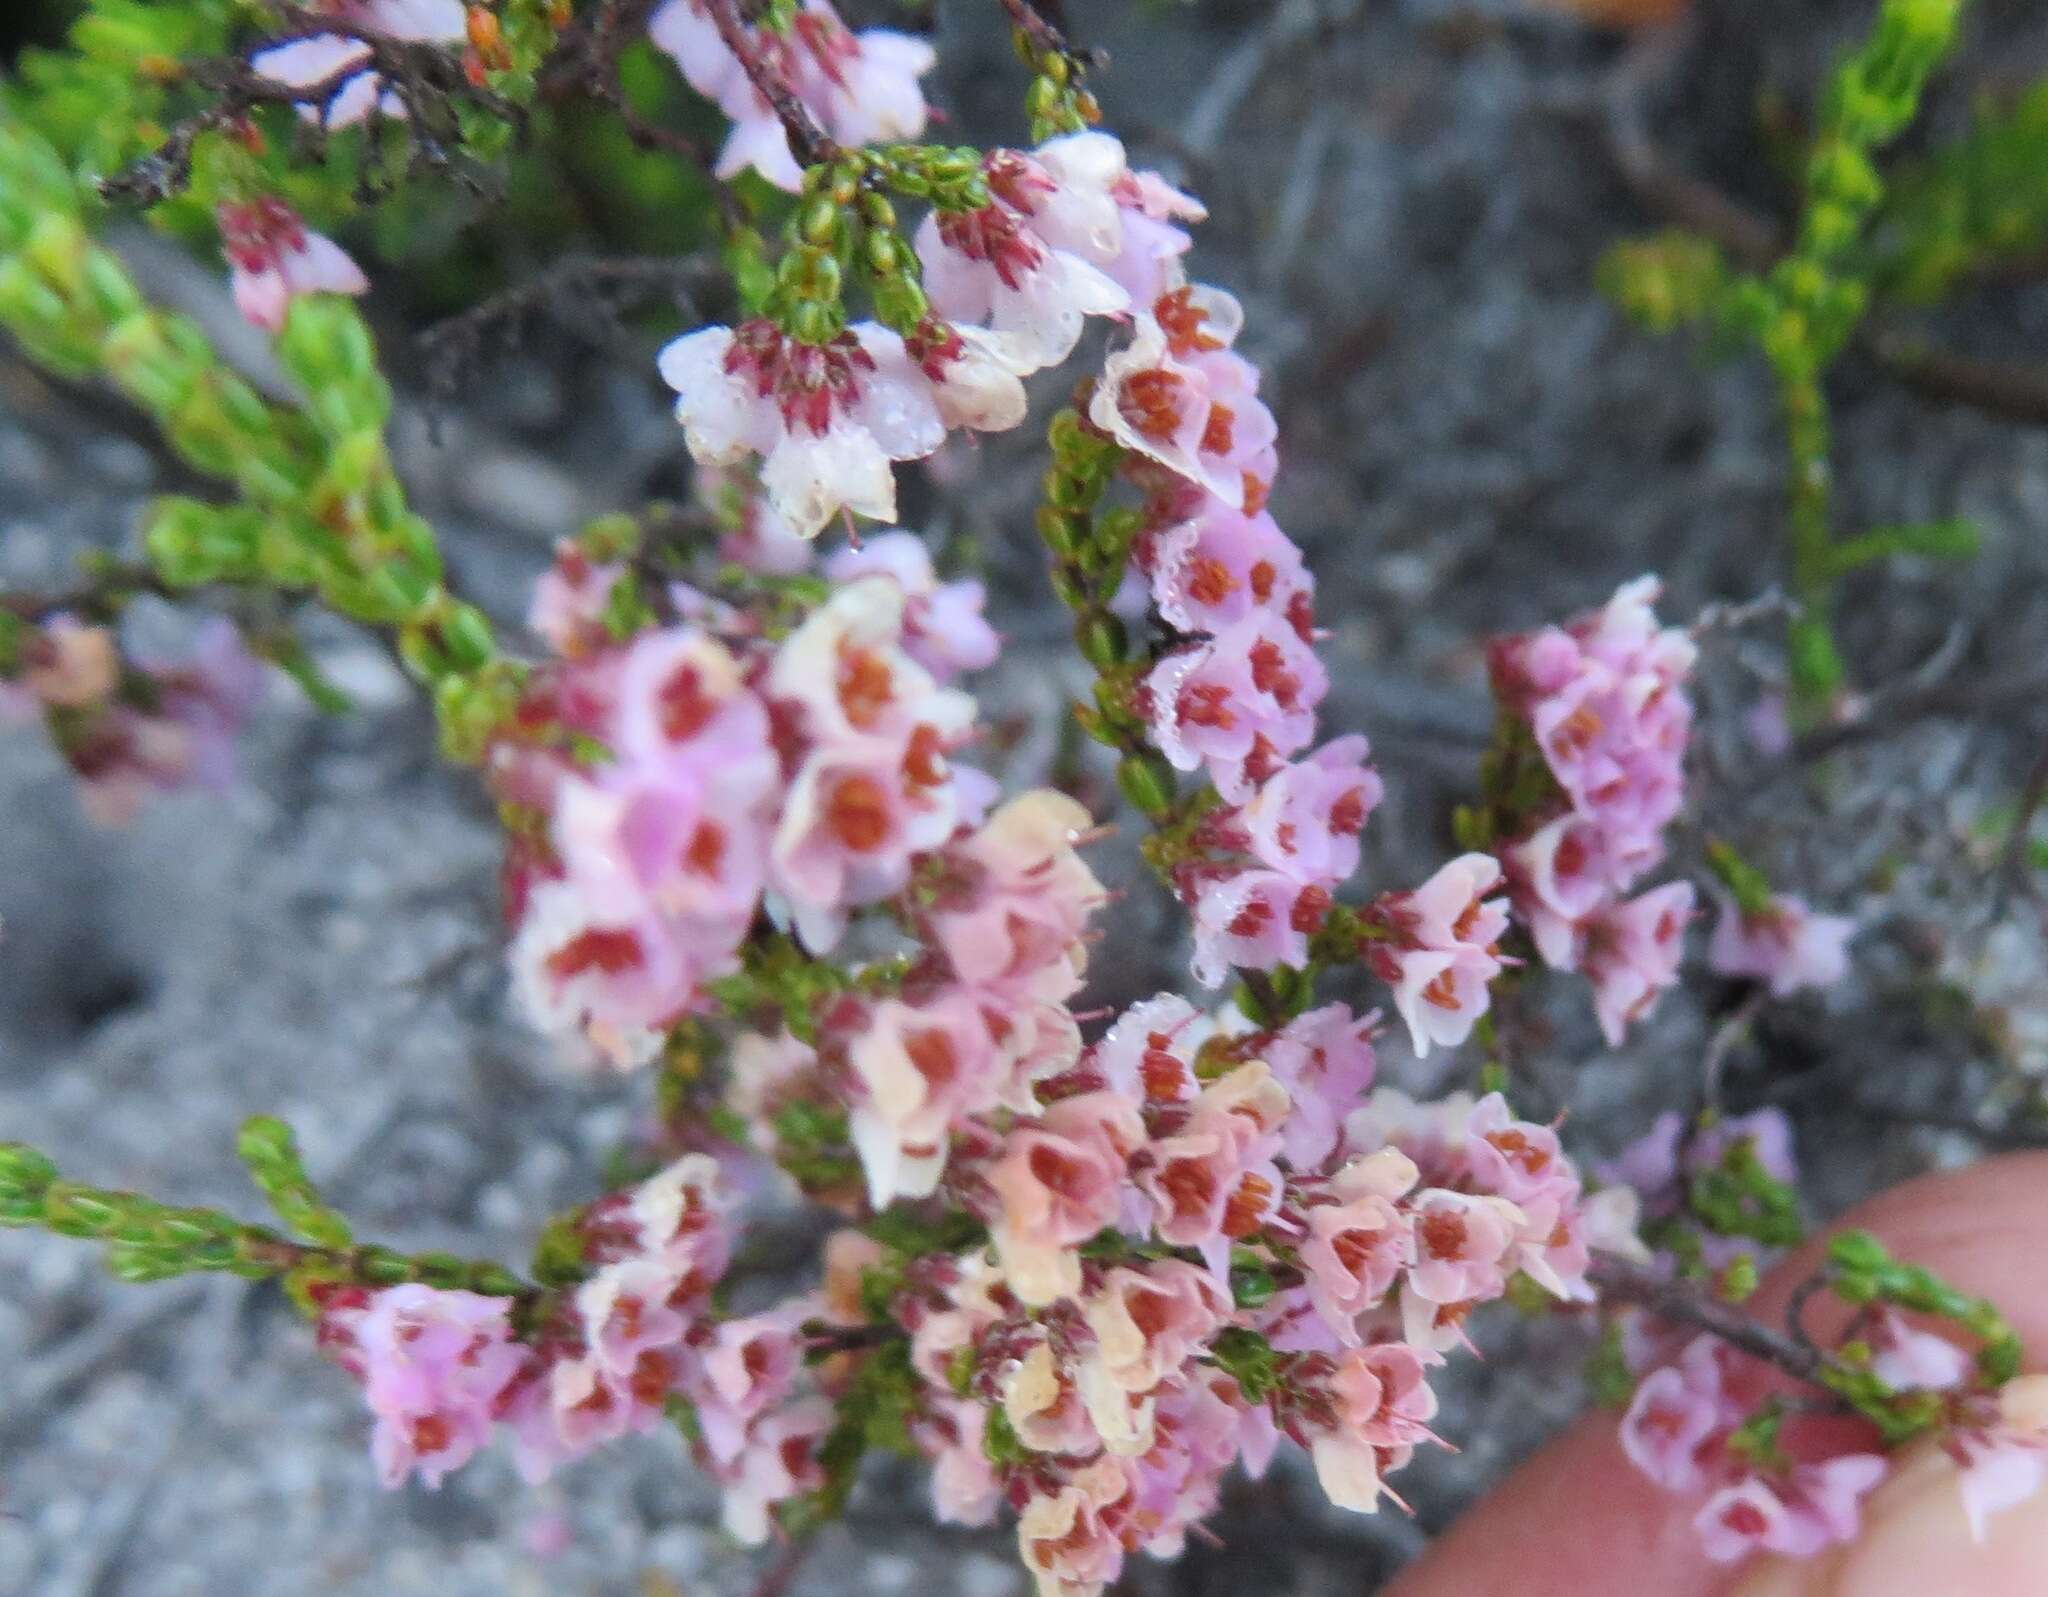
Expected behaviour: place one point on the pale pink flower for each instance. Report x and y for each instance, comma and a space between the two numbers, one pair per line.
862, 87
2002, 1466
1678, 1418
1149, 1053
748, 1367
1030, 262
1461, 1246
1148, 1322
1912, 1360
1786, 946
625, 1312
943, 627
918, 1068
1221, 564
1742, 1519
570, 601
433, 1365
1355, 1251
1325, 1060
276, 258
1016, 897
778, 1462
1632, 954
1439, 993
1254, 920
1178, 395
965, 1490
828, 419
1069, 1536
1239, 704
1055, 1189
1306, 818
1042, 1400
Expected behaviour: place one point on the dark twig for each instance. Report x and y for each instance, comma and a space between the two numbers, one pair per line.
1686, 1305
1045, 34
808, 142
2000, 388
584, 289
428, 80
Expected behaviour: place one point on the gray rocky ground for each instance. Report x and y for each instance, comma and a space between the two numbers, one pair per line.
1411, 198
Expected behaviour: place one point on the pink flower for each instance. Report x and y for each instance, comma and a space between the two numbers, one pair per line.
1149, 1053
827, 419
862, 87
1515, 1159
943, 627
1057, 1184
779, 1462
1030, 262
1239, 704
1439, 992
749, 1366
875, 788
1325, 1060
570, 601
1742, 1519
917, 1069
1220, 565
1461, 1246
1911, 1360
1148, 1322
1632, 954
1254, 920
1382, 1395
1306, 818
2002, 1466
1016, 898
1179, 396
1678, 1418
1358, 1246
1068, 1536
625, 1311
434, 1365
276, 258
1815, 1506
1787, 946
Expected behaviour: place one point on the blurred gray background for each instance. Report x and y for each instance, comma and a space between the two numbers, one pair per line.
1411, 196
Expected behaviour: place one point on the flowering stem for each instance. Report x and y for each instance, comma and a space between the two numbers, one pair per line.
1686, 1305
808, 142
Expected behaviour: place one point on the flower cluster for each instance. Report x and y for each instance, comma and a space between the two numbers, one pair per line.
678, 785
1602, 701
1781, 943
443, 1370
136, 724
862, 87
1009, 285
1678, 1432
1197, 1253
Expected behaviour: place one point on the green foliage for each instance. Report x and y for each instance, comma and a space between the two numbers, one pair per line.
151, 1241
1978, 203
1854, 239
